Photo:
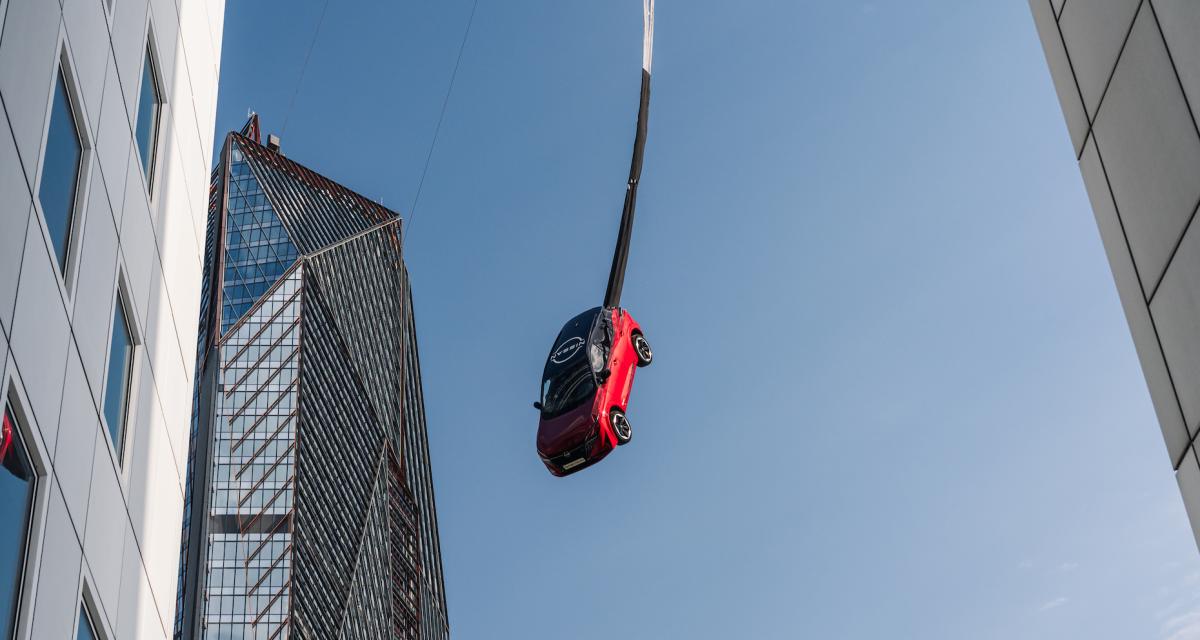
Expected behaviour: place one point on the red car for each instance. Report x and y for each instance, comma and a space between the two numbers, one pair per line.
585, 389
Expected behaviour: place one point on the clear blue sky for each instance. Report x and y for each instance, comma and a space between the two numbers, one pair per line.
894, 393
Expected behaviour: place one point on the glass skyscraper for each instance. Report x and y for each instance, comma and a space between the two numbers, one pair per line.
310, 508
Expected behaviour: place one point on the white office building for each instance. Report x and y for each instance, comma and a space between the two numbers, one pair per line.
105, 147
1127, 73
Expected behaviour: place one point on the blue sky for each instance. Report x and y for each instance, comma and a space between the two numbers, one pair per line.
894, 393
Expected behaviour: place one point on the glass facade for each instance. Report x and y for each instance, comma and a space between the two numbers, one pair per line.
257, 247
120, 370
60, 172
147, 119
302, 517
253, 471
16, 496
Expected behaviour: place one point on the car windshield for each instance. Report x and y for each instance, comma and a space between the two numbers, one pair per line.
568, 389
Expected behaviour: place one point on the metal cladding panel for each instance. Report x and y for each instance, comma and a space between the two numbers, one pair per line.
341, 440
361, 281
317, 211
1138, 147
384, 598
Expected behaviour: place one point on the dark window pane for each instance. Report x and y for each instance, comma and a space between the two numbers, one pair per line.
16, 499
86, 632
147, 119
60, 172
116, 395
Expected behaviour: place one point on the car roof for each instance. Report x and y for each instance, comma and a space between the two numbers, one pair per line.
563, 356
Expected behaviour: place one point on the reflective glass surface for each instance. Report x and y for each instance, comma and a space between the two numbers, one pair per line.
60, 172
569, 390
16, 499
248, 586
147, 118
119, 366
86, 632
257, 248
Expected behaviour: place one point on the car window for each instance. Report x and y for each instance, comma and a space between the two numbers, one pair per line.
567, 390
600, 341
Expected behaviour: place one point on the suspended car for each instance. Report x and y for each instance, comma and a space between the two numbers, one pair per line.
586, 386
589, 373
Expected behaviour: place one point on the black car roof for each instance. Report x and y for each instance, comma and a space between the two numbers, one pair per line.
563, 355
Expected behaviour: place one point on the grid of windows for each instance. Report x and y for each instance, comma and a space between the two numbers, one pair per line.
61, 162
16, 499
120, 373
253, 471
149, 111
257, 248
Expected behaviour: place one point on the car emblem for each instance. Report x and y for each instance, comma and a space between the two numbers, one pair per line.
566, 350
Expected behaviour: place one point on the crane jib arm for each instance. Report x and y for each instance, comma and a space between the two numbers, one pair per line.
616, 277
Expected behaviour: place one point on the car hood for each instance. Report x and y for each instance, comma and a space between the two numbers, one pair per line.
560, 433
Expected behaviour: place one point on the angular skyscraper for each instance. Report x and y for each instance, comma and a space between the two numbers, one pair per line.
311, 510
1127, 73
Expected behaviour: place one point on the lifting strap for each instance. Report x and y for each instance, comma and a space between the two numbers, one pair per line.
616, 277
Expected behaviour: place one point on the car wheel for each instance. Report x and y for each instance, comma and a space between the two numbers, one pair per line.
620, 426
645, 354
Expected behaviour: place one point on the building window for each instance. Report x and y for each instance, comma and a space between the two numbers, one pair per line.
16, 501
120, 370
147, 119
87, 631
60, 172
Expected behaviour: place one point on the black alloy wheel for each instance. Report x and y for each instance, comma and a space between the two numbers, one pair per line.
620, 425
645, 354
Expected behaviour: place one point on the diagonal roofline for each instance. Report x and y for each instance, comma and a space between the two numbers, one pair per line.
314, 178
349, 239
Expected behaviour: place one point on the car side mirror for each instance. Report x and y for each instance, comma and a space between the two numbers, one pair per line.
537, 405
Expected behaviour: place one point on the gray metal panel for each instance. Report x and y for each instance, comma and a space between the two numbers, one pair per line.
1094, 31
1145, 336
1180, 24
1151, 150
1176, 310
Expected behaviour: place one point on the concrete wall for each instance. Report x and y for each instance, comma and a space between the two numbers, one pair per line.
1127, 73
105, 530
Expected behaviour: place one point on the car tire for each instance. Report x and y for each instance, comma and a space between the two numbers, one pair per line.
645, 355
620, 426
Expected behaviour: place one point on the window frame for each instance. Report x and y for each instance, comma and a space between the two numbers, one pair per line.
151, 57
90, 608
66, 277
14, 400
128, 308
